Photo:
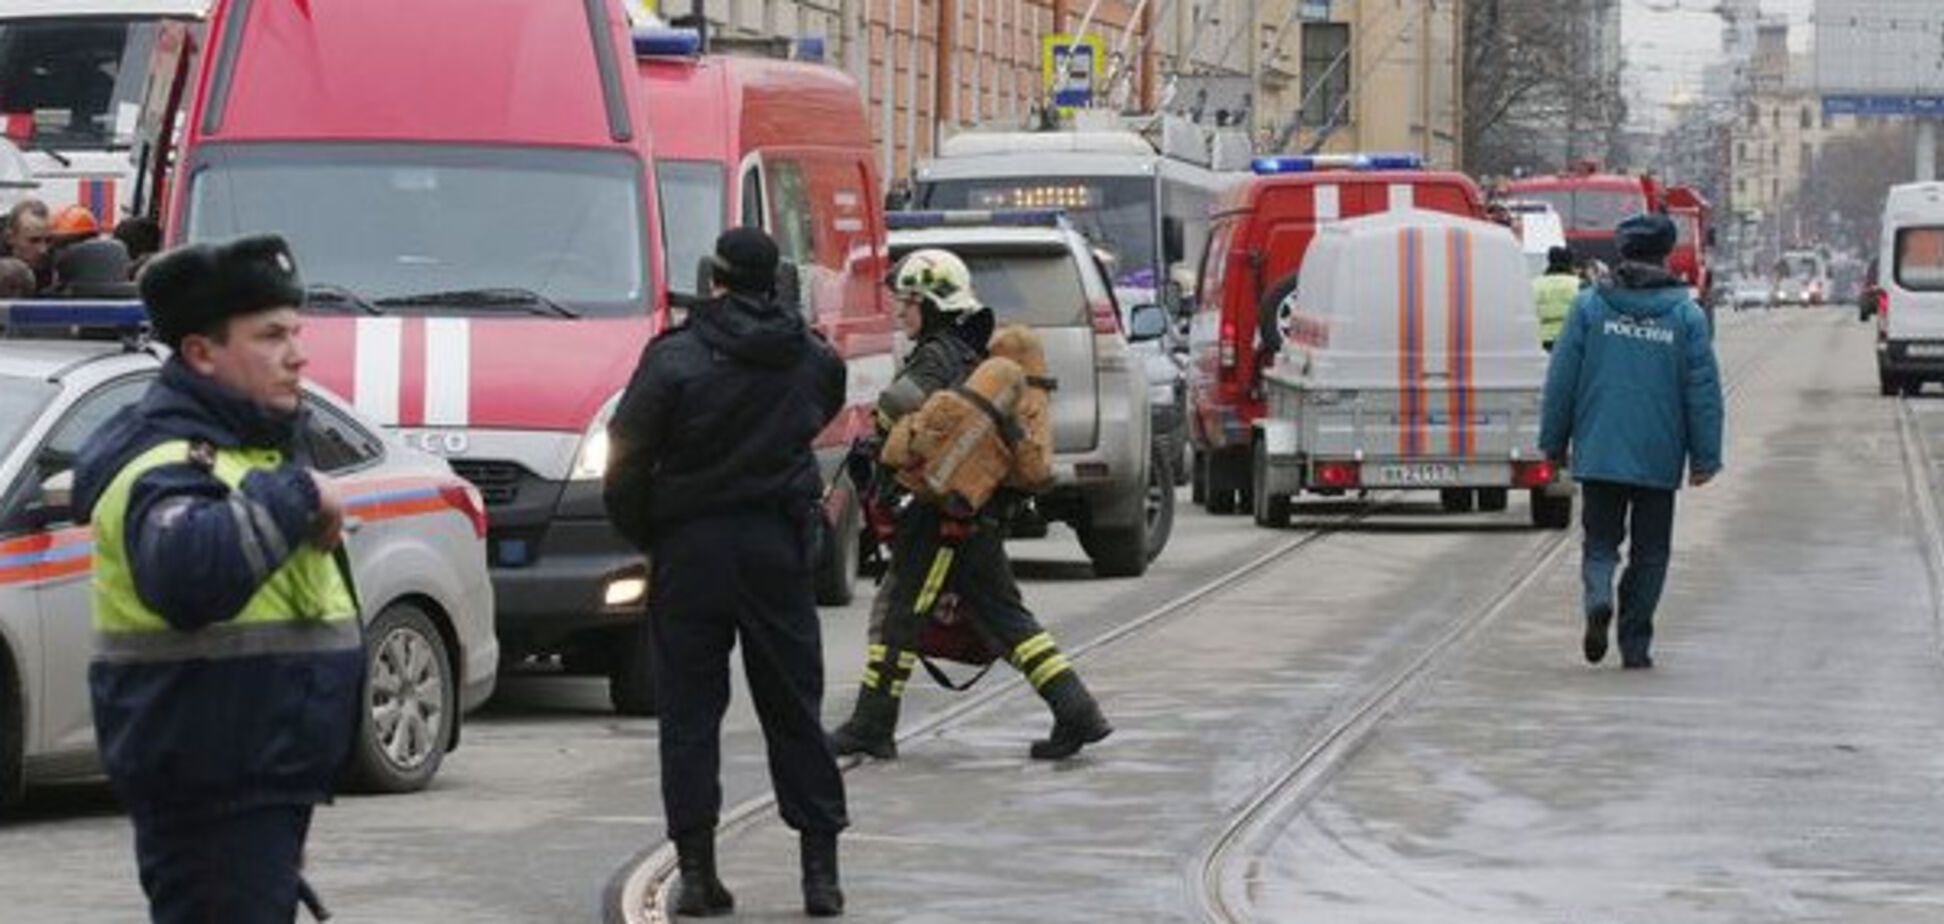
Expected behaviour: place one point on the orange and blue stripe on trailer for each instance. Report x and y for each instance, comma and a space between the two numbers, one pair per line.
1458, 339
46, 556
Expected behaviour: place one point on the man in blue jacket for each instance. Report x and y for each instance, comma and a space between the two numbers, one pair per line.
228, 661
1633, 400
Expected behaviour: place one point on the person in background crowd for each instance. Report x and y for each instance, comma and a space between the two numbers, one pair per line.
1632, 402
142, 236
28, 239
712, 475
1553, 293
16, 279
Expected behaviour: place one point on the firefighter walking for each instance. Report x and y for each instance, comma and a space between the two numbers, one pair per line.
228, 660
712, 476
935, 553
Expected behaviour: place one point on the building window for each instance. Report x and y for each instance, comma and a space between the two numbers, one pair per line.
1807, 119
1808, 155
1775, 189
1754, 116
1326, 70
1741, 186
1741, 151
1775, 118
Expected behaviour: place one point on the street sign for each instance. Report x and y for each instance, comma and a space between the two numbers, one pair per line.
1315, 11
1069, 66
1880, 48
1920, 107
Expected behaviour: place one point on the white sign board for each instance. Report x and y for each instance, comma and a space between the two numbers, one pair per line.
1882, 47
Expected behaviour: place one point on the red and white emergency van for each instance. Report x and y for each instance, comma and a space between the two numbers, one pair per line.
784, 146
1592, 204
1249, 272
478, 224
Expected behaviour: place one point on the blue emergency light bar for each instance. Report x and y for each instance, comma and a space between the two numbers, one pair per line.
667, 43
1311, 163
973, 218
72, 318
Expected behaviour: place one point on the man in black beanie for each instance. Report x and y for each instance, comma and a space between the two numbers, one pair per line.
228, 660
712, 477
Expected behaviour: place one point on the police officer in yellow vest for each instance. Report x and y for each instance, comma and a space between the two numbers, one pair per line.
1554, 292
228, 659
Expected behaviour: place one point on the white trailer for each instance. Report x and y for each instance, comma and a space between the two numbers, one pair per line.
1411, 360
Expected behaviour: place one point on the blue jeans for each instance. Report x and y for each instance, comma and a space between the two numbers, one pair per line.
1608, 508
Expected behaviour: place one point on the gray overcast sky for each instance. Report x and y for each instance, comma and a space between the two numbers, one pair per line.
1669, 42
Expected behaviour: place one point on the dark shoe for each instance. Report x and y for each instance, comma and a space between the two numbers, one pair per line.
1594, 645
1637, 662
872, 728
699, 894
1077, 721
822, 897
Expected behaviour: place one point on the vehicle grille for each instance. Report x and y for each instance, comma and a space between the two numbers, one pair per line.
498, 482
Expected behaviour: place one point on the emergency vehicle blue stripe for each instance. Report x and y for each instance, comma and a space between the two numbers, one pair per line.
47, 556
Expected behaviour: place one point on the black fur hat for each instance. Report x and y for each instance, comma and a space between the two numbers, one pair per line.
192, 289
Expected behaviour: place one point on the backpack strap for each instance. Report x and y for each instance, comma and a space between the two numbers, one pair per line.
1043, 382
945, 680
1009, 429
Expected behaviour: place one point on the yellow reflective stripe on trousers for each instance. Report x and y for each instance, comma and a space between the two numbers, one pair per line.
870, 678
1031, 648
1048, 669
907, 661
897, 688
230, 640
934, 580
873, 652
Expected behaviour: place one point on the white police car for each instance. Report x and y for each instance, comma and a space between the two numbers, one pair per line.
416, 542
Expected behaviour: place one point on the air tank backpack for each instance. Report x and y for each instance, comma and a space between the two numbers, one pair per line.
994, 430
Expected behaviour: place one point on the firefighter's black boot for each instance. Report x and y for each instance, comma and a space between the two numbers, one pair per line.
873, 725
699, 894
1077, 721
822, 898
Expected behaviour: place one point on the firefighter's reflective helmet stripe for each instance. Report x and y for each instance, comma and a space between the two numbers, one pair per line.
938, 277
304, 604
1039, 658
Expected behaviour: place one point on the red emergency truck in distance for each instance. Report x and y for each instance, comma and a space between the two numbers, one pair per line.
784, 146
1257, 238
1591, 204
477, 220
1690, 257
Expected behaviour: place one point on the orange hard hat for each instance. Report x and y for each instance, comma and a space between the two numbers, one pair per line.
74, 221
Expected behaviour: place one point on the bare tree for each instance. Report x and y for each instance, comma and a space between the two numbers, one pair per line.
1528, 87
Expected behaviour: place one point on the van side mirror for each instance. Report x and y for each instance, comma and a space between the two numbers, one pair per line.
789, 287
1146, 322
1174, 241
1712, 238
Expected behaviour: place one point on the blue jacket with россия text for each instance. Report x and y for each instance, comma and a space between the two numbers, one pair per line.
1633, 394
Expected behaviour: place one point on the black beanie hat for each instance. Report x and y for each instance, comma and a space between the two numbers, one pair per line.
192, 289
745, 261
1646, 238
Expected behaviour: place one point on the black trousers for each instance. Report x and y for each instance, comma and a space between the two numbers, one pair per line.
981, 575
239, 868
1613, 513
721, 579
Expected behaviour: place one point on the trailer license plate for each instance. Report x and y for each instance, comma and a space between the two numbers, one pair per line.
1415, 473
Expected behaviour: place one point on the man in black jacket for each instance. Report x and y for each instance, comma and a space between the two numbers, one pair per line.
713, 478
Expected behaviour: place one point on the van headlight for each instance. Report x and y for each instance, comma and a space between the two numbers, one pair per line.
591, 462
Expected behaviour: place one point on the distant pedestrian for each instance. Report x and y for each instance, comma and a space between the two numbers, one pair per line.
712, 475
142, 236
29, 239
1554, 292
228, 661
1633, 400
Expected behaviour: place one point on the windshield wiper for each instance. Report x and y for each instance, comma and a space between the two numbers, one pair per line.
326, 293
502, 297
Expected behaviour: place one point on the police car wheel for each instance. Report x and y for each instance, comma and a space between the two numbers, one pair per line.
409, 702
1160, 501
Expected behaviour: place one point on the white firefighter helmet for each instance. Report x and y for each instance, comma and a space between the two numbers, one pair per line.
938, 277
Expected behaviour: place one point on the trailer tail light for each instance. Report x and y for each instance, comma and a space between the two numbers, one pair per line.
1105, 320
1533, 474
466, 499
1883, 303
1338, 474
1226, 350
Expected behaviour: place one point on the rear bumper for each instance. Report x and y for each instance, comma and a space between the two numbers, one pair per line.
1911, 357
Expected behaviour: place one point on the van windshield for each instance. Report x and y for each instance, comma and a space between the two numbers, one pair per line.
1116, 213
1920, 258
1591, 210
693, 205
392, 222
80, 80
